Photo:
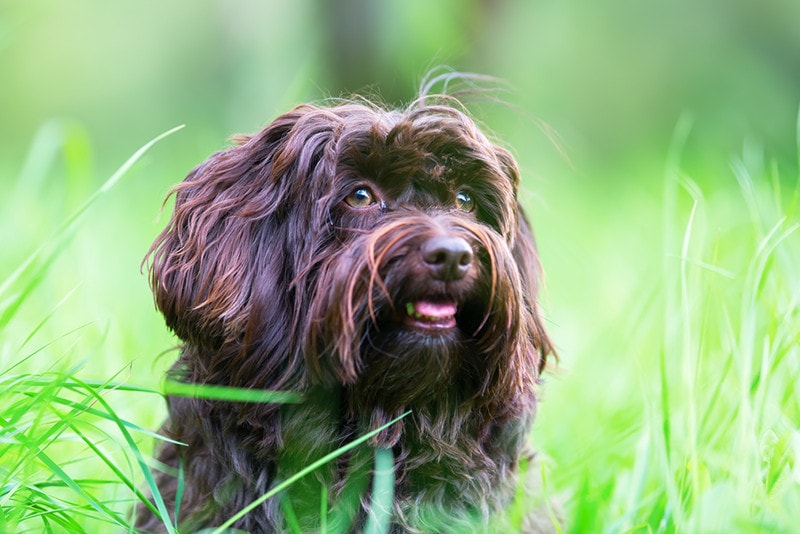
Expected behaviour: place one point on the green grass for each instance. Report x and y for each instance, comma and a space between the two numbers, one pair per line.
685, 417
675, 408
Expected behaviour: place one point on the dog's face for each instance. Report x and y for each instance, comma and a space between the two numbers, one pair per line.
352, 246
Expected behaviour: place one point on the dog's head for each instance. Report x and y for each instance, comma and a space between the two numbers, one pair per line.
380, 250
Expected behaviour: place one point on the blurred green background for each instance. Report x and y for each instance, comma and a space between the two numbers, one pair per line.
595, 91
610, 77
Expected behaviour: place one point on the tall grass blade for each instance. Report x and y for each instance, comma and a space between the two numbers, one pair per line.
380, 511
208, 391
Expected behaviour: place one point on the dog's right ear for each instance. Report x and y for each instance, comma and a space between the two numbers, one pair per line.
225, 233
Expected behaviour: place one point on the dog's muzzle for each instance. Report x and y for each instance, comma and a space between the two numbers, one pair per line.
447, 259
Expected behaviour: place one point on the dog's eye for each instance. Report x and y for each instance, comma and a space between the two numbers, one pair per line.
360, 198
464, 201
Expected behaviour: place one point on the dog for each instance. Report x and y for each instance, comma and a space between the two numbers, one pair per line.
377, 263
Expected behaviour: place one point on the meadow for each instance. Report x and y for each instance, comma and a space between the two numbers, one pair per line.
673, 408
660, 175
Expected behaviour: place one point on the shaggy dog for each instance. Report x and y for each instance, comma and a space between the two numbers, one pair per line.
378, 264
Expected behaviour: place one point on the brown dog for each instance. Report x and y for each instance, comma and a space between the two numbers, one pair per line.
376, 262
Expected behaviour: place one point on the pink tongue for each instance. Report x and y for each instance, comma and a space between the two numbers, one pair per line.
437, 310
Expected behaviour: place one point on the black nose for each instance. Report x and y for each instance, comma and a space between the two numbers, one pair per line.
448, 258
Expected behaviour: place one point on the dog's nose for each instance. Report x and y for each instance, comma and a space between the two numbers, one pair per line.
448, 258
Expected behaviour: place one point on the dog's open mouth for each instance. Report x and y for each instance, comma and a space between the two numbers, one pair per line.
431, 315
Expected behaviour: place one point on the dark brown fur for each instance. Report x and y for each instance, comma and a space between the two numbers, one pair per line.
273, 282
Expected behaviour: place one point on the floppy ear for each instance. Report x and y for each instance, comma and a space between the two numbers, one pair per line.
526, 257
227, 243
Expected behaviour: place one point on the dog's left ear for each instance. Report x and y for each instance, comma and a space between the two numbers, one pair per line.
526, 257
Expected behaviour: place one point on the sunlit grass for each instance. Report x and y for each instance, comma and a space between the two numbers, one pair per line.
728, 359
693, 425
66, 454
683, 417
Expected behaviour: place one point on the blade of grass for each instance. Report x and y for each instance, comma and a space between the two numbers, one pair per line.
40, 157
47, 317
551, 512
380, 510
323, 509
179, 490
689, 356
36, 271
290, 516
208, 391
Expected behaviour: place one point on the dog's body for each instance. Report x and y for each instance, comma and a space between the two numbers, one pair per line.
378, 263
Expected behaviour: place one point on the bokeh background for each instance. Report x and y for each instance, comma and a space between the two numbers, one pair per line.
594, 94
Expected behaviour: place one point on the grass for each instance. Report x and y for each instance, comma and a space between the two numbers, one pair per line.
675, 411
696, 428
